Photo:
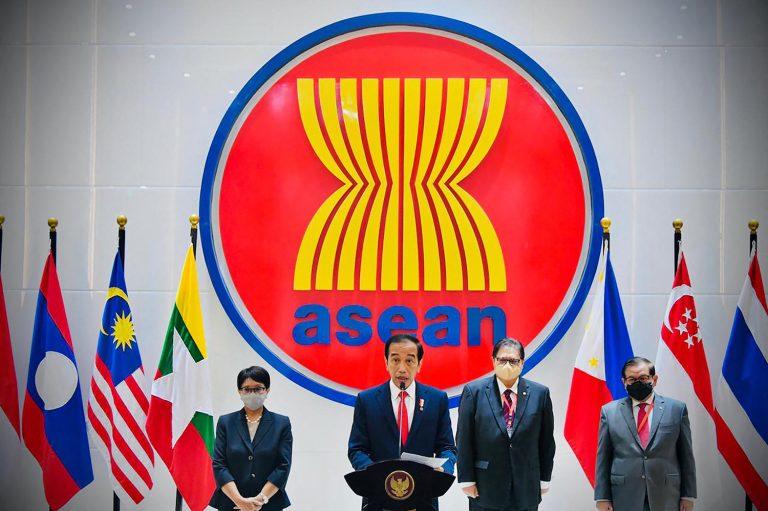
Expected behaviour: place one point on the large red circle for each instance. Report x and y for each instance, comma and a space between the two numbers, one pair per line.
529, 185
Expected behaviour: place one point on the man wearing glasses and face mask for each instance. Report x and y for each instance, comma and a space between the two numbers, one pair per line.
644, 450
504, 436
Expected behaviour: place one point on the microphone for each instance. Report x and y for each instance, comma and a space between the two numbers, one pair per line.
400, 422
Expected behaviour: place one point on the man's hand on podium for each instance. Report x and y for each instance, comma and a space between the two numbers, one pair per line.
471, 491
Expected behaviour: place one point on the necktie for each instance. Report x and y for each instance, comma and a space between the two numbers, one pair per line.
402, 414
643, 428
508, 407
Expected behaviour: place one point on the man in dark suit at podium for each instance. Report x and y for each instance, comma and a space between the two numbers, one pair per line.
401, 409
505, 436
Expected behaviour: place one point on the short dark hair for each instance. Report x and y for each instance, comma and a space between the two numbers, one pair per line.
509, 342
398, 338
256, 373
636, 361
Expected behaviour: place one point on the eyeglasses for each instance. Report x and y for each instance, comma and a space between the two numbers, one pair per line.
644, 379
253, 390
511, 361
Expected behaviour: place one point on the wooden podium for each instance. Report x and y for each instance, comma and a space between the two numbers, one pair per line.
399, 485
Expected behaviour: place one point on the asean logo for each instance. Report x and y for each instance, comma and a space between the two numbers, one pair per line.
393, 173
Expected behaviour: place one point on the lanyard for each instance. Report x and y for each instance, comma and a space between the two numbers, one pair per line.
645, 419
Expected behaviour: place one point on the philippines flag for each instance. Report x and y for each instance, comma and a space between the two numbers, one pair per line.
53, 423
597, 372
742, 434
117, 405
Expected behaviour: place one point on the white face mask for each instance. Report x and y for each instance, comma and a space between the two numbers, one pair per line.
508, 371
253, 401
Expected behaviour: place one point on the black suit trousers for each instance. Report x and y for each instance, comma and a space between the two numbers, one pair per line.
473, 506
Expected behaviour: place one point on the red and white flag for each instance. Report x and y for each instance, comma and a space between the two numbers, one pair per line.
9, 390
681, 363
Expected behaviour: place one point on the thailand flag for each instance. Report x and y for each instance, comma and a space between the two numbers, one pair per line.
597, 371
53, 423
742, 432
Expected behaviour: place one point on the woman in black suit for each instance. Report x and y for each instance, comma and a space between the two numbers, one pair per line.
252, 453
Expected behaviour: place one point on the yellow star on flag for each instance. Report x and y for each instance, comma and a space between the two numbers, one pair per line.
593, 362
123, 332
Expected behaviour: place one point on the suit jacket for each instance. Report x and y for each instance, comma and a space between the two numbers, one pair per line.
250, 464
507, 470
374, 436
664, 471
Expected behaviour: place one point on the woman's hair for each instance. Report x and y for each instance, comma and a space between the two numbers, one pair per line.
256, 373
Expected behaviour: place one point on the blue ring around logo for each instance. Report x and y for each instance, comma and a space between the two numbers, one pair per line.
373, 21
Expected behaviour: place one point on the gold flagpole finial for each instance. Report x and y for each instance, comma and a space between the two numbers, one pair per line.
52, 223
677, 223
606, 223
753, 224
121, 221
194, 220
2, 221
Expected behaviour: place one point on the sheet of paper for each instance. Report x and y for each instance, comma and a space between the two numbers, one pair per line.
424, 460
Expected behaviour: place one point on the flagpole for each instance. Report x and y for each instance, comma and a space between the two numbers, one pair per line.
2, 221
753, 224
606, 223
194, 220
52, 223
677, 223
121, 221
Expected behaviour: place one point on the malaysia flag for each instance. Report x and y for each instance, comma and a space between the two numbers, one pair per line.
742, 433
597, 372
117, 405
53, 423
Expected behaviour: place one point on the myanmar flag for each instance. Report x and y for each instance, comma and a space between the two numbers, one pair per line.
180, 419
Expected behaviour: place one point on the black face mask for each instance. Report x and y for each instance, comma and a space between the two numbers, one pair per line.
640, 390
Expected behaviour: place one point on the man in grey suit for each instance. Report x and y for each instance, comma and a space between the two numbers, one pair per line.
644, 450
504, 436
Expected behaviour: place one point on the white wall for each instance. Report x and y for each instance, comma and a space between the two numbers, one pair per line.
109, 107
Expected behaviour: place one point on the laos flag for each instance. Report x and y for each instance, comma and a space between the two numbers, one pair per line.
53, 421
